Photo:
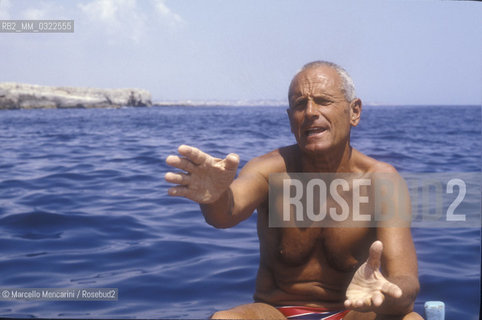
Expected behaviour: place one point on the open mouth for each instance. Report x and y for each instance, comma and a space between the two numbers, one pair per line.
314, 131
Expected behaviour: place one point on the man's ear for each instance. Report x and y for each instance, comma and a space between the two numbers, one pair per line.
355, 112
289, 112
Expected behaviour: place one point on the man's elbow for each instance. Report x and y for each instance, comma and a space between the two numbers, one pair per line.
416, 289
404, 305
412, 295
219, 224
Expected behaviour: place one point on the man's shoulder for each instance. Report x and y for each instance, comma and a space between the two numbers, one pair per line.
371, 165
272, 162
376, 169
383, 167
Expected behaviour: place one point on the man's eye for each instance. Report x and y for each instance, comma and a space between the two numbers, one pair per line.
322, 101
300, 104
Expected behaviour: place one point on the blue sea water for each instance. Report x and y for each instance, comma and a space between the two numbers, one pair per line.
83, 204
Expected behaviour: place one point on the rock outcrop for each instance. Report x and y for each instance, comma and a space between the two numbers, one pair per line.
30, 96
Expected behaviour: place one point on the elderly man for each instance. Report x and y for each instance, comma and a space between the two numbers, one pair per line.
332, 273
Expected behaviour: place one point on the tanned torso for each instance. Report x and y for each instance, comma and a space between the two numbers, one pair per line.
308, 266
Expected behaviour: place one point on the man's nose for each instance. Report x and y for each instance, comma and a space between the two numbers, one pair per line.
311, 110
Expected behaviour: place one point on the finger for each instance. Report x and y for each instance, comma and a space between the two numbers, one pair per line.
178, 191
348, 303
231, 162
391, 289
177, 178
358, 303
375, 255
180, 163
184, 191
377, 299
193, 154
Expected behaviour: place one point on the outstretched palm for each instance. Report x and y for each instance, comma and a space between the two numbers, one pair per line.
205, 178
368, 288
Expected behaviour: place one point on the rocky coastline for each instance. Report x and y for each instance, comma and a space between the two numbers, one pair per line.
30, 96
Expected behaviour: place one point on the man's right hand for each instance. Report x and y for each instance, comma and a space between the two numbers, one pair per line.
205, 178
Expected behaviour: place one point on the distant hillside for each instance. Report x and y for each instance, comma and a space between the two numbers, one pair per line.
31, 96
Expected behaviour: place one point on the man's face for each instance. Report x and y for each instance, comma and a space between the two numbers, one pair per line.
319, 114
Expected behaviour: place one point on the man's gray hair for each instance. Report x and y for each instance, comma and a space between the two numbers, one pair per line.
348, 87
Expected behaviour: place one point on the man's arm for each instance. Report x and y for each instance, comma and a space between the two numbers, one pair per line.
399, 260
209, 181
393, 290
399, 264
240, 200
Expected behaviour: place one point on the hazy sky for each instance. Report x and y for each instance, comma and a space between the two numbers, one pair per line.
398, 52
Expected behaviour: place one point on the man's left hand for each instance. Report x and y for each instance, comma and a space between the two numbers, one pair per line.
368, 288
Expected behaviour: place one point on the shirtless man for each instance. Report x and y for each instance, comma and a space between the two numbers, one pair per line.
356, 273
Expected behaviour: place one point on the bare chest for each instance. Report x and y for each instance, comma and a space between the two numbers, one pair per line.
337, 248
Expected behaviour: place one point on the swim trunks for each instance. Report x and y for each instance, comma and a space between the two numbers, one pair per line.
298, 312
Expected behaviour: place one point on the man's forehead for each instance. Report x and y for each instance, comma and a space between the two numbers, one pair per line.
320, 77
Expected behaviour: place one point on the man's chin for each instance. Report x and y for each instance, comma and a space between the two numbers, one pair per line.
315, 149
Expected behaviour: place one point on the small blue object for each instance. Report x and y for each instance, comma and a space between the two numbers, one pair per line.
435, 310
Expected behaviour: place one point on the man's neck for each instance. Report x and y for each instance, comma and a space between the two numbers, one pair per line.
336, 160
